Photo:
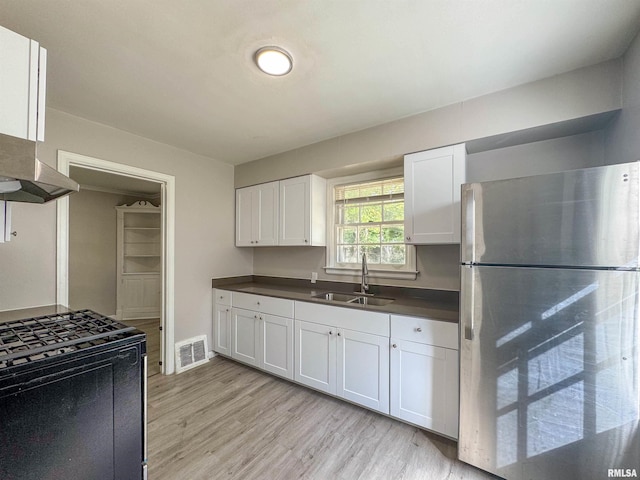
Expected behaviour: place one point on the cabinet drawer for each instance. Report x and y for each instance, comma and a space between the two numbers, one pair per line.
222, 297
259, 303
424, 330
375, 323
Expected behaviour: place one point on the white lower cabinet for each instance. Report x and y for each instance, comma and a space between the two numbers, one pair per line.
257, 338
222, 329
399, 365
263, 341
276, 345
245, 336
352, 364
424, 377
363, 369
316, 358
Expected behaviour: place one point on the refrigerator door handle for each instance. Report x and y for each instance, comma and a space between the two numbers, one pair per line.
468, 223
468, 302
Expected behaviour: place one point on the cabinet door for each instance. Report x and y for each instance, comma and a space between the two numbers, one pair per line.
266, 200
432, 195
315, 361
295, 211
244, 217
222, 330
424, 386
363, 369
20, 60
245, 336
140, 298
276, 339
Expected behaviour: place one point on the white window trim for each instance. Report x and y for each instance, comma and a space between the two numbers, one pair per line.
406, 272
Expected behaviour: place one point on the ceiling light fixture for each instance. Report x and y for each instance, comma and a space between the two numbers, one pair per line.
274, 61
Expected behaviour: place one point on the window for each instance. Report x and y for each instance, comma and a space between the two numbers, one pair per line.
368, 218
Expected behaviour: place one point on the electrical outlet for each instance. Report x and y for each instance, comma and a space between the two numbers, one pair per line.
314, 277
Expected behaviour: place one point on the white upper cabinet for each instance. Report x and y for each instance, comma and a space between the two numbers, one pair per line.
23, 80
257, 215
432, 181
303, 211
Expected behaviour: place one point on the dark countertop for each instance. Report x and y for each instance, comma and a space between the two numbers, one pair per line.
433, 304
26, 313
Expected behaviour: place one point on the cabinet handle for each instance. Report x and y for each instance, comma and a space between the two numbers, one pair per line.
221, 297
418, 329
306, 241
394, 345
255, 316
256, 241
227, 310
408, 238
330, 332
339, 334
251, 241
258, 303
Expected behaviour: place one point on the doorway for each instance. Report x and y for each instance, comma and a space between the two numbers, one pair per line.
105, 184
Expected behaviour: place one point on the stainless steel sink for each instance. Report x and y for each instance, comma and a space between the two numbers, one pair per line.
354, 298
374, 301
336, 297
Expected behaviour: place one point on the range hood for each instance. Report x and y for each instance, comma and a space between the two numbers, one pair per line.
24, 178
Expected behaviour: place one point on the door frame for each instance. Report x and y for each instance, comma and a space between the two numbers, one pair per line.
167, 184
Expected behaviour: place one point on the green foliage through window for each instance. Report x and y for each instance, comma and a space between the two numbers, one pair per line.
370, 219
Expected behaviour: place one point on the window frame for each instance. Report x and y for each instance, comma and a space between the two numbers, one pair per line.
408, 271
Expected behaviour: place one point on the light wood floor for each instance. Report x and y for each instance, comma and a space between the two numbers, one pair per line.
150, 326
225, 420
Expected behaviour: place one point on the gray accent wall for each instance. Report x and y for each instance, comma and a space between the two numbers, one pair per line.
623, 138
92, 249
578, 94
581, 93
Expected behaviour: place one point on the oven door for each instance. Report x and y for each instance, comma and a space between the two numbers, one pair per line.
75, 419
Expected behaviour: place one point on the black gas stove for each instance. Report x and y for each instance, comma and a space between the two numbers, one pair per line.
32, 339
72, 396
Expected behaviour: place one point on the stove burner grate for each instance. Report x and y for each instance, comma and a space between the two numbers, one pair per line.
36, 338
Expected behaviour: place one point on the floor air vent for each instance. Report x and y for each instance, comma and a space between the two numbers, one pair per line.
191, 353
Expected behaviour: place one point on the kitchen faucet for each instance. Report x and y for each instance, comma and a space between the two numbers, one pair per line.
364, 286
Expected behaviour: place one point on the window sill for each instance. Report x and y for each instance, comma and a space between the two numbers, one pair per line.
373, 274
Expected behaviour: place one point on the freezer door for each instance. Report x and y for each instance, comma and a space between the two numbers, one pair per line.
549, 372
587, 217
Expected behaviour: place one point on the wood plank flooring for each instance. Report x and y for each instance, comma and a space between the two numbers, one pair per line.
225, 420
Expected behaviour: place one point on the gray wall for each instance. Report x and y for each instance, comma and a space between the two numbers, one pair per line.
92, 249
438, 264
577, 94
556, 155
587, 91
623, 139
205, 215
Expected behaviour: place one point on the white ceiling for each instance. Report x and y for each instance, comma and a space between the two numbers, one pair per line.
181, 72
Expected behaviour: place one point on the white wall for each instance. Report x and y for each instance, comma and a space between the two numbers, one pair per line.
623, 139
204, 221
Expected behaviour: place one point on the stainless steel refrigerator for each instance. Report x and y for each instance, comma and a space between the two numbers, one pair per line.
549, 350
